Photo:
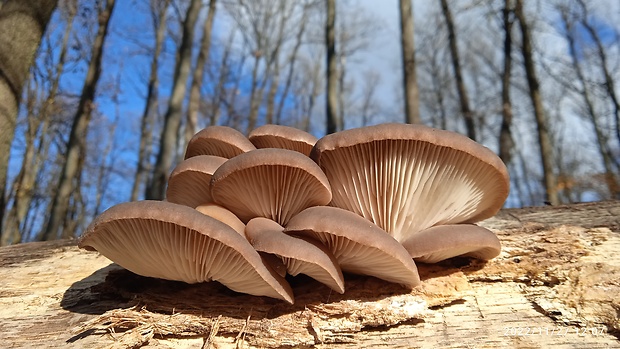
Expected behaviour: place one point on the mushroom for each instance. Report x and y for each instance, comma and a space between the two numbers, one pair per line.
223, 215
175, 242
359, 246
407, 178
271, 183
285, 137
435, 244
221, 141
299, 255
189, 182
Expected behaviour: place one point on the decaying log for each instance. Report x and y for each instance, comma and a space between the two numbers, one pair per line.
556, 284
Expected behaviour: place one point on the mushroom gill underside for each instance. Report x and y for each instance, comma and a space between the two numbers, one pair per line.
369, 201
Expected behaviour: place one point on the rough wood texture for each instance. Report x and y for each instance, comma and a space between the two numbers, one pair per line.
556, 284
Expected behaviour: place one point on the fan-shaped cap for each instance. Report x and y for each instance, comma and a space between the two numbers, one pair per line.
221, 141
223, 215
359, 246
299, 255
189, 182
169, 241
441, 242
270, 183
406, 178
285, 137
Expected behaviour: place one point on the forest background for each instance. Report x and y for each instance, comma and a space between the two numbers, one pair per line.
113, 90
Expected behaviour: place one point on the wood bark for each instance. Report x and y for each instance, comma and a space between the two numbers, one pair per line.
461, 89
506, 142
172, 120
332, 64
22, 24
410, 82
542, 124
79, 129
554, 285
152, 96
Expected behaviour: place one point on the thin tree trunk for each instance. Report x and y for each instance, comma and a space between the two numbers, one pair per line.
342, 70
506, 142
271, 94
461, 89
332, 73
601, 140
198, 76
220, 90
255, 94
150, 108
410, 82
172, 120
22, 24
544, 138
79, 130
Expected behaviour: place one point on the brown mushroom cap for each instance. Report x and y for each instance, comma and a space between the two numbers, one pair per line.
406, 178
270, 183
359, 246
441, 242
189, 182
284, 137
223, 215
175, 242
299, 255
221, 141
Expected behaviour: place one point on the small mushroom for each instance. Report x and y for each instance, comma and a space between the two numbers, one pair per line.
223, 215
359, 246
407, 178
441, 242
175, 242
271, 183
221, 141
299, 255
189, 182
285, 137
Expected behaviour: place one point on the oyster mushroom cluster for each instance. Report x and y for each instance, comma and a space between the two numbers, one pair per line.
246, 211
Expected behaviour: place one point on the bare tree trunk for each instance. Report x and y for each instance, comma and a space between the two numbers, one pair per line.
332, 74
506, 142
271, 95
461, 89
544, 139
220, 90
167, 143
150, 108
194, 93
22, 24
79, 130
410, 82
601, 140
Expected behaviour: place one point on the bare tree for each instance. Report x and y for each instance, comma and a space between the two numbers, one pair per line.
332, 74
172, 120
22, 24
77, 137
466, 111
410, 82
506, 142
544, 138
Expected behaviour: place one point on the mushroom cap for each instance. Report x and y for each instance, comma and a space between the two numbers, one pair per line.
223, 215
406, 178
271, 183
359, 246
189, 182
441, 242
285, 137
299, 255
175, 242
221, 141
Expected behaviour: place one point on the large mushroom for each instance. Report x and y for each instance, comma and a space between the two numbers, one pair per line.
175, 242
271, 183
299, 255
285, 137
359, 246
407, 178
189, 183
221, 141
